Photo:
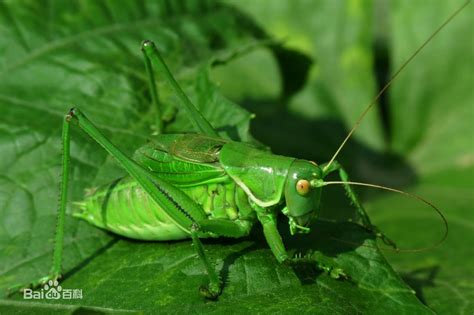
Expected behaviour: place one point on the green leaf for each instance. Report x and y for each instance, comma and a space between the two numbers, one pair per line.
87, 54
433, 111
165, 277
337, 36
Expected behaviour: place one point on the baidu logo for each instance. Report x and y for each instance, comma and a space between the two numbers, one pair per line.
52, 291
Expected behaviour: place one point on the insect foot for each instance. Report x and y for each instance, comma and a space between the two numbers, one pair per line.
333, 271
70, 114
321, 262
379, 234
34, 284
211, 291
146, 43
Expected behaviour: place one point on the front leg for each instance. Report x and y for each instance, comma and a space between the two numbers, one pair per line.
335, 166
268, 219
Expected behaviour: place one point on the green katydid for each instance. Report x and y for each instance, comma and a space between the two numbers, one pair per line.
200, 185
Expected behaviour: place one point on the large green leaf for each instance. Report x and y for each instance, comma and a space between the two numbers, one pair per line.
164, 277
87, 54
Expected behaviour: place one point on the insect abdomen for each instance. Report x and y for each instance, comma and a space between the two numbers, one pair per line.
124, 208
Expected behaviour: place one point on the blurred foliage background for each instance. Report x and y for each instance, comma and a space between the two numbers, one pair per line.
306, 69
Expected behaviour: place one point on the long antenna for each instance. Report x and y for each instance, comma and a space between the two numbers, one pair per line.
445, 222
374, 101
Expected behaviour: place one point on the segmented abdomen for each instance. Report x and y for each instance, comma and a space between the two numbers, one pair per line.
124, 208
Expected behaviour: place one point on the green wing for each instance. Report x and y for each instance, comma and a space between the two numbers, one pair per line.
183, 159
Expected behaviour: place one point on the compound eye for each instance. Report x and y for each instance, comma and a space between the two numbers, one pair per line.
303, 186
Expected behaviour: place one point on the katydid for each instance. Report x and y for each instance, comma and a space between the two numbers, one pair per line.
195, 186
